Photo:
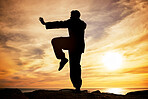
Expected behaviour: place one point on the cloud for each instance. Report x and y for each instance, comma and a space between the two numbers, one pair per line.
136, 43
137, 70
5, 38
10, 55
7, 66
105, 14
35, 53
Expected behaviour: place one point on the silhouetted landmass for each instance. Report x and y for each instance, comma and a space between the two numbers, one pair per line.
139, 94
144, 92
8, 93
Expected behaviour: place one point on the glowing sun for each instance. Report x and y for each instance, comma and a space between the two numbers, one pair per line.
112, 60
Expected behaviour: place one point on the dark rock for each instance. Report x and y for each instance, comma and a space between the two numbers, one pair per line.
61, 94
68, 94
10, 93
138, 95
67, 90
144, 92
73, 91
96, 92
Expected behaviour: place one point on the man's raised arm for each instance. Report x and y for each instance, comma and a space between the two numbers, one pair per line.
55, 24
41, 20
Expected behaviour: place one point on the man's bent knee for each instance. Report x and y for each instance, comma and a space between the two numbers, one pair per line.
53, 41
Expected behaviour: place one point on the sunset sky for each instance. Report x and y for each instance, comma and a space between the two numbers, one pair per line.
119, 27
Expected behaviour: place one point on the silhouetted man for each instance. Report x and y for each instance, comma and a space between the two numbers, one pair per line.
74, 44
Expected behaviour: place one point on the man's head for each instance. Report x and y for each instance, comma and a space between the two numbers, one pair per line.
75, 14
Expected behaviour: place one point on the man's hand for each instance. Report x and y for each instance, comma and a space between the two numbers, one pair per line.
42, 20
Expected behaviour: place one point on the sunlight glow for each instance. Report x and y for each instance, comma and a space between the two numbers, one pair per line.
112, 60
115, 90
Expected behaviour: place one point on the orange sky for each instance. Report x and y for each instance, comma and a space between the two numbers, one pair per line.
27, 58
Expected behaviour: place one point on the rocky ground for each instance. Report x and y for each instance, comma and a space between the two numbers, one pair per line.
6, 93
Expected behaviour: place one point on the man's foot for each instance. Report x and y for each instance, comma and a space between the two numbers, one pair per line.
78, 90
62, 63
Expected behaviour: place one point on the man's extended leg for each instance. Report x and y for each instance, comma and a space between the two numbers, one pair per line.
59, 44
75, 69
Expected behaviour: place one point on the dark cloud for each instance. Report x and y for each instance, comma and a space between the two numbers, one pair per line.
34, 53
38, 53
18, 62
12, 37
104, 16
17, 37
3, 72
33, 68
3, 39
5, 81
12, 51
106, 13
11, 15
16, 77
